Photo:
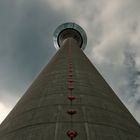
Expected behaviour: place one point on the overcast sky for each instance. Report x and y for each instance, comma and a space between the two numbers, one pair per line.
26, 46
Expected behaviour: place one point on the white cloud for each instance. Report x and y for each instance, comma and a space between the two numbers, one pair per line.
7, 101
4, 110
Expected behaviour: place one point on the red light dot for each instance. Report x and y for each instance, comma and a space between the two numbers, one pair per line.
71, 98
71, 111
72, 134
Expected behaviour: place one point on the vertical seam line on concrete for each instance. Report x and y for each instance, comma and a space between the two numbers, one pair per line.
57, 123
86, 124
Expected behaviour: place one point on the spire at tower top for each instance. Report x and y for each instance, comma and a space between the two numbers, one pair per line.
69, 30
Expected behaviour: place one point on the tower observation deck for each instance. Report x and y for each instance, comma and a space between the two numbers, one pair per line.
69, 100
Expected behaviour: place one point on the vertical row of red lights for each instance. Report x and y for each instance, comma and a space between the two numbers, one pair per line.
71, 111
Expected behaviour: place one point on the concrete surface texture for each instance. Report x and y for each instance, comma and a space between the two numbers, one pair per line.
69, 100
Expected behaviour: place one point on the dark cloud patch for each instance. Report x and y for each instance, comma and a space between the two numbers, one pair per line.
130, 64
133, 75
138, 103
26, 41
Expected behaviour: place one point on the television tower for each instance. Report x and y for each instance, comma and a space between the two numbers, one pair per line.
69, 100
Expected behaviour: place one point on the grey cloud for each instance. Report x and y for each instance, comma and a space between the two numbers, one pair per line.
25, 43
131, 72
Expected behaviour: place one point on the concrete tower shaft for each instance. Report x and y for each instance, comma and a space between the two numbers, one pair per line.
69, 100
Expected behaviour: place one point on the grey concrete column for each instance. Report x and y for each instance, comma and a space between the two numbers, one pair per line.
41, 114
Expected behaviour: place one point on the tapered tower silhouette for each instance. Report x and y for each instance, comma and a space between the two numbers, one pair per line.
69, 100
